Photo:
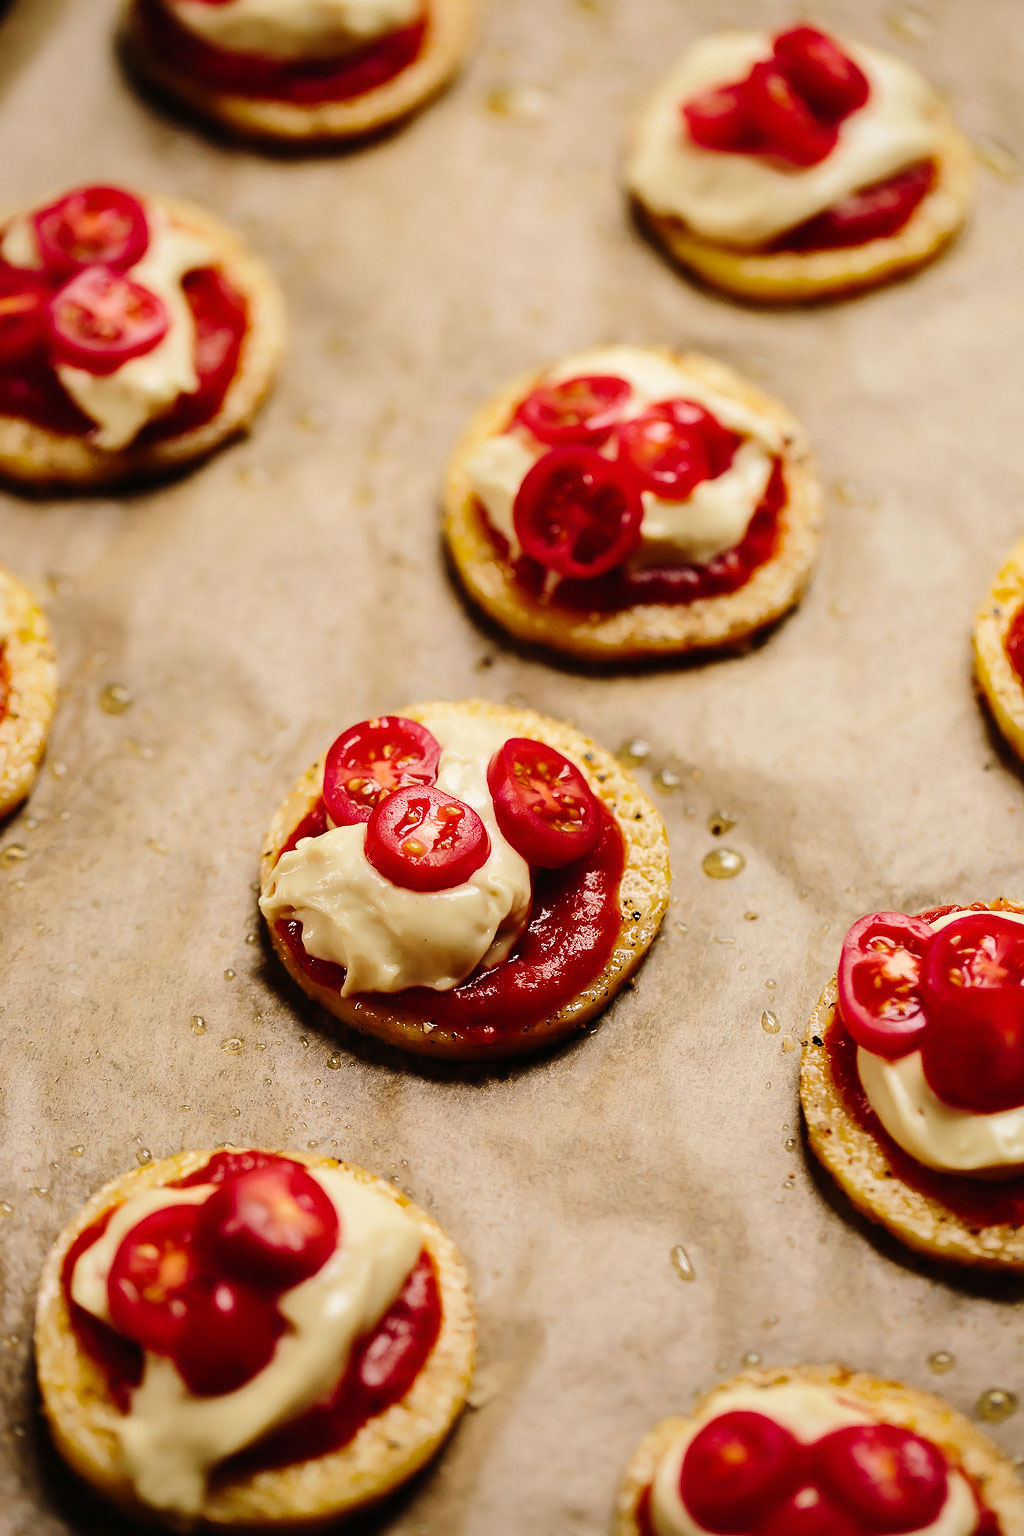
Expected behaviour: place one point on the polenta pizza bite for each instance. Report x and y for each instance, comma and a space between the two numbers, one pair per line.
798, 166
819, 1451
633, 502
299, 71
136, 335
913, 1079
999, 649
255, 1339
464, 880
28, 689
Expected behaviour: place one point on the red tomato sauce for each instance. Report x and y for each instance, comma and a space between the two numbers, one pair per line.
31, 390
1014, 643
573, 926
886, 208
303, 82
414, 1320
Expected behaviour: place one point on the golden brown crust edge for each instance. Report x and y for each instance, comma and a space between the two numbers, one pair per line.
643, 896
452, 30
860, 1167
793, 277
645, 630
35, 457
310, 1495
909, 1407
999, 685
26, 653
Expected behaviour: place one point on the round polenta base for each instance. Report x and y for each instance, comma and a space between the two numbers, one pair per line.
859, 1165
35, 457
450, 31
793, 277
643, 897
998, 683
27, 659
309, 1495
643, 630
964, 1445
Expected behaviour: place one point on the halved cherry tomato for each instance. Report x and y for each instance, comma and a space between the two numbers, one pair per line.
815, 66
272, 1226
718, 119
24, 301
736, 1468
887, 1477
790, 128
542, 803
101, 320
154, 1276
424, 840
371, 760
230, 1333
871, 214
582, 410
1014, 643
879, 982
92, 226
674, 445
809, 1512
577, 513
973, 989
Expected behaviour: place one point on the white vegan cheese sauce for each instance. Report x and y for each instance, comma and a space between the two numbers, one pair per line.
712, 519
123, 402
389, 938
748, 200
170, 1439
937, 1134
809, 1412
294, 29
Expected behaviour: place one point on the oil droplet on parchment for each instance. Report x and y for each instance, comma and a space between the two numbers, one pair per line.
13, 854
634, 752
789, 1042
996, 1405
143, 1156
197, 1024
229, 974
682, 1264
750, 1360
723, 863
232, 1045
666, 780
78, 1150
770, 1022
750, 917
998, 158
524, 103
719, 822
941, 1362
334, 1060
115, 699
6, 1208
58, 768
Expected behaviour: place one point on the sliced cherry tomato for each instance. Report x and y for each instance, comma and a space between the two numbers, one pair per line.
888, 1478
424, 840
371, 760
1014, 643
674, 445
809, 1512
24, 320
879, 982
393, 1356
542, 803
154, 1277
582, 410
871, 214
101, 320
973, 989
718, 119
577, 513
736, 1468
93, 226
791, 130
816, 67
274, 1226
230, 1333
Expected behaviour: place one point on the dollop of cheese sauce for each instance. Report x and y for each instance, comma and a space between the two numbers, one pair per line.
294, 29
711, 520
747, 200
171, 1440
389, 938
937, 1134
121, 403
808, 1411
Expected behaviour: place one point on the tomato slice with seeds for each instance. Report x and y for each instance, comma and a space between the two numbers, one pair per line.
101, 320
674, 445
24, 313
425, 840
153, 1278
542, 803
790, 128
736, 1468
582, 410
273, 1225
578, 513
92, 226
827, 79
371, 760
230, 1333
973, 987
879, 982
809, 1512
887, 1477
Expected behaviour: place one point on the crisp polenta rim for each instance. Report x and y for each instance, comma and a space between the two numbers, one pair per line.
859, 1165
33, 456
451, 28
642, 630
26, 653
999, 684
893, 1402
643, 895
789, 277
306, 1496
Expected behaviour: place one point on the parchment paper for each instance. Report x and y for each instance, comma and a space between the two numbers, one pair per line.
295, 584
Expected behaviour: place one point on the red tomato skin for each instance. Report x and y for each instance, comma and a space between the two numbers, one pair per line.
809, 1512
393, 751
791, 130
152, 1278
230, 1333
24, 301
548, 415
422, 839
82, 313
874, 212
862, 970
827, 79
55, 228
577, 513
537, 839
973, 1052
718, 120
736, 1468
272, 1226
888, 1478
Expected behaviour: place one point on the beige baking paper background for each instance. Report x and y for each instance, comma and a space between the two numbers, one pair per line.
296, 584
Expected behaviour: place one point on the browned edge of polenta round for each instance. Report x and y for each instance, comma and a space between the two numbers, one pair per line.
26, 653
997, 682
